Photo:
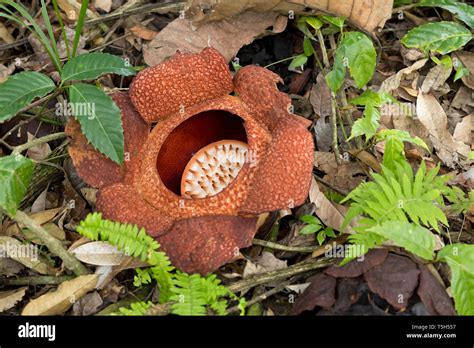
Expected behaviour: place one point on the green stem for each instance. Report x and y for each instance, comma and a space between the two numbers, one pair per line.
280, 61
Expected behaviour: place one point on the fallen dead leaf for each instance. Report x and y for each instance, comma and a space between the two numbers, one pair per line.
26, 254
433, 294
143, 32
88, 304
266, 262
53, 229
463, 130
368, 15
10, 267
467, 59
59, 301
38, 152
321, 292
356, 268
433, 117
435, 79
105, 5
5, 35
394, 280
6, 71
320, 97
227, 36
99, 254
325, 210
8, 299
393, 82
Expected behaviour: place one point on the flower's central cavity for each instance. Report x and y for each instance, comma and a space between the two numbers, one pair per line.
213, 168
204, 154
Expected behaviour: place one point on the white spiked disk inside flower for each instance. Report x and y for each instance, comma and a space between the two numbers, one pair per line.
213, 168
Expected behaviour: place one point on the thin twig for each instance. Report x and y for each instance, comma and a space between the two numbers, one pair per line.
335, 189
280, 274
282, 247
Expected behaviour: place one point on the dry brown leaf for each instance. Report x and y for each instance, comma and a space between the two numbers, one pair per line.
264, 263
463, 130
227, 36
467, 59
321, 292
99, 254
143, 32
69, 10
6, 71
325, 210
105, 5
435, 79
368, 15
53, 229
10, 267
320, 97
433, 117
5, 35
394, 81
26, 254
8, 299
59, 301
106, 275
38, 152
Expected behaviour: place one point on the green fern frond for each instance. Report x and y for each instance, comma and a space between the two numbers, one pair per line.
136, 309
130, 239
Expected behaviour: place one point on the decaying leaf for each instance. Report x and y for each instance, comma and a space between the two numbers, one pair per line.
143, 32
227, 36
53, 229
59, 301
8, 299
38, 152
434, 295
325, 210
357, 267
467, 59
393, 82
433, 117
368, 15
265, 263
395, 279
99, 254
321, 293
26, 254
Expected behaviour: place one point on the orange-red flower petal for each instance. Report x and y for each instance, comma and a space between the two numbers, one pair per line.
284, 174
183, 80
203, 244
256, 86
122, 203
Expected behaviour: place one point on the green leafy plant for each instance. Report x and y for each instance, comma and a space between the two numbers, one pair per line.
315, 225
462, 10
356, 52
460, 258
187, 294
98, 115
439, 37
372, 102
403, 207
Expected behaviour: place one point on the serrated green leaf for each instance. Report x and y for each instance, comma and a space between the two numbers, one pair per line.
460, 258
102, 122
361, 55
414, 238
335, 77
20, 89
89, 66
336, 21
367, 125
463, 11
15, 176
441, 37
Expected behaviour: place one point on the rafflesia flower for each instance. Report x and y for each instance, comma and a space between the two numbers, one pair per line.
222, 151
